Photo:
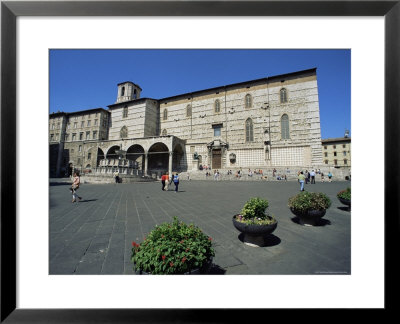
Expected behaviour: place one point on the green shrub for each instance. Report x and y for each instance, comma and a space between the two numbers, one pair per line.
306, 201
172, 248
345, 194
255, 212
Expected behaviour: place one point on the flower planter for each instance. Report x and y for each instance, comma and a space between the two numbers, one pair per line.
197, 271
310, 217
346, 202
254, 234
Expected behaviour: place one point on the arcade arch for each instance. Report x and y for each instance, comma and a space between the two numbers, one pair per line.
136, 153
100, 156
158, 157
111, 153
178, 161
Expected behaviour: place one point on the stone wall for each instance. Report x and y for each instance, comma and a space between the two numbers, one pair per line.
302, 107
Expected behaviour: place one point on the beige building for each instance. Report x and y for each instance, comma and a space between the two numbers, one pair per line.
74, 136
337, 152
263, 123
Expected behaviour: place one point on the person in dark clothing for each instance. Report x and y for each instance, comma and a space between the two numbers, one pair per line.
163, 177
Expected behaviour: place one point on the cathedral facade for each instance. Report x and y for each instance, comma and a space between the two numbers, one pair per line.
258, 124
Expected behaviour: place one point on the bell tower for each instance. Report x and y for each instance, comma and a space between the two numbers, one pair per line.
128, 91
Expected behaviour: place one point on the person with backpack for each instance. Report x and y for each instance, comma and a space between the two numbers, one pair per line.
175, 179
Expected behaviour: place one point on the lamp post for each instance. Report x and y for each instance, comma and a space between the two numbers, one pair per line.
267, 143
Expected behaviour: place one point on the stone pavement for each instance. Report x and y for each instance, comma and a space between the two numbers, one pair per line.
95, 235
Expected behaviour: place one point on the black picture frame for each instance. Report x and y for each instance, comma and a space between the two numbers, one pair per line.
10, 10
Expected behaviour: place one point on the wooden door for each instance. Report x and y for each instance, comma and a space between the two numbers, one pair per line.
216, 159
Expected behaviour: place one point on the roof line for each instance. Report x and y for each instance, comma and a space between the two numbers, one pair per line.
279, 76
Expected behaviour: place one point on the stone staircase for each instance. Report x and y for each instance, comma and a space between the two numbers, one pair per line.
267, 174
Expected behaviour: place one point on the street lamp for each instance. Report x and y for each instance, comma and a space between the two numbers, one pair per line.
266, 107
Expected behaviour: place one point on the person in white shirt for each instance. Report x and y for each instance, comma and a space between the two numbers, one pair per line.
312, 174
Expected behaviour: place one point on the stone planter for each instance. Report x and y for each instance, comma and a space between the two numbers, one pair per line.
198, 271
310, 217
346, 202
254, 235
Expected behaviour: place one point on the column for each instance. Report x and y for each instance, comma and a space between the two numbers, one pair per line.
170, 163
146, 159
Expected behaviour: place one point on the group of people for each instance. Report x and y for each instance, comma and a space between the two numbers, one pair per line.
309, 177
204, 167
166, 181
303, 178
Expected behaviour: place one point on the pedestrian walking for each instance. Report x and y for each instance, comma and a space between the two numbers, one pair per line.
312, 173
322, 177
75, 186
330, 176
301, 180
167, 182
163, 182
176, 181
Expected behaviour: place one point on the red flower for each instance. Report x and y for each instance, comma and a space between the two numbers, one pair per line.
181, 241
171, 264
163, 257
134, 244
209, 238
162, 235
183, 259
187, 250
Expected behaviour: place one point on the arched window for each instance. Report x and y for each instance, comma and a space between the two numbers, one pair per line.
188, 111
217, 106
248, 101
283, 94
165, 115
164, 132
249, 130
123, 91
125, 113
124, 132
285, 127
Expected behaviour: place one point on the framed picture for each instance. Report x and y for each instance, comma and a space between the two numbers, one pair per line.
11, 182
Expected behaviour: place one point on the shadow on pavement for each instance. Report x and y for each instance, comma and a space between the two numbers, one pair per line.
321, 222
86, 200
344, 208
59, 184
269, 240
216, 269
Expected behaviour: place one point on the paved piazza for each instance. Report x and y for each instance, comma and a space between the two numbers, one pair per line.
95, 235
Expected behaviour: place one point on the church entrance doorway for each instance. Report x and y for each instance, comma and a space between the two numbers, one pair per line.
216, 159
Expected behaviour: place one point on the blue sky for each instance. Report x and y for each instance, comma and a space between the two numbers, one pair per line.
86, 79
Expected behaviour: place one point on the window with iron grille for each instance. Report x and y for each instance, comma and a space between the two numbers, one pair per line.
285, 127
283, 95
248, 101
249, 130
217, 106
